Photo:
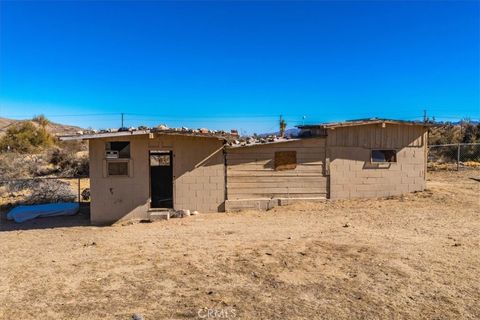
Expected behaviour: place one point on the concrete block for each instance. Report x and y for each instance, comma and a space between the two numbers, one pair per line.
159, 215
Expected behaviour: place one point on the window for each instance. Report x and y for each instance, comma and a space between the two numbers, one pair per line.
159, 159
117, 168
118, 149
285, 160
384, 156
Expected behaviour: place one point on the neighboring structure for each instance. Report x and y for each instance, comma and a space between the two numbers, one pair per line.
135, 173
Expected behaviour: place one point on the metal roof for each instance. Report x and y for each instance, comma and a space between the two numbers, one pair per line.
171, 132
360, 122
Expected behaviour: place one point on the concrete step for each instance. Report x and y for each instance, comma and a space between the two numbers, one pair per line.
159, 215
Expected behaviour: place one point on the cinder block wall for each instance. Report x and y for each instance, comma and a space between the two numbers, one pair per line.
352, 175
199, 174
117, 198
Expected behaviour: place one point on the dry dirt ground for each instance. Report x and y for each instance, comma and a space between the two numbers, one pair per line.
413, 257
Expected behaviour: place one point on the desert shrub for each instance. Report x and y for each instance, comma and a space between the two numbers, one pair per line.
72, 146
25, 138
41, 120
68, 162
470, 133
17, 166
37, 191
59, 157
49, 191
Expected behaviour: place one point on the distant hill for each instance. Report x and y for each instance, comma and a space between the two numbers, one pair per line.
292, 132
445, 133
53, 128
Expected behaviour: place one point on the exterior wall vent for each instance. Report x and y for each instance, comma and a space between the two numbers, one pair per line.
111, 154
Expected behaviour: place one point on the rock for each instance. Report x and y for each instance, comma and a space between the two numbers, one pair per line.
195, 212
86, 194
183, 213
175, 214
137, 316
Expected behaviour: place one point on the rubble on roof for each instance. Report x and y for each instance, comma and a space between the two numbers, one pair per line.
161, 129
257, 140
233, 138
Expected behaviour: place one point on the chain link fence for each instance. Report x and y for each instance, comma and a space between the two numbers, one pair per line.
454, 156
15, 192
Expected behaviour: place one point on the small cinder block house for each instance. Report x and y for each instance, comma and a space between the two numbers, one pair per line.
133, 174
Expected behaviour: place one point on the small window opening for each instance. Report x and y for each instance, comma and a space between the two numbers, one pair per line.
384, 156
117, 149
285, 160
159, 160
117, 168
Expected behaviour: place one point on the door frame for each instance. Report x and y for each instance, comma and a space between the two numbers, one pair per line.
150, 151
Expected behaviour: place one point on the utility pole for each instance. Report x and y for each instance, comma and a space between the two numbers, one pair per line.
122, 119
425, 119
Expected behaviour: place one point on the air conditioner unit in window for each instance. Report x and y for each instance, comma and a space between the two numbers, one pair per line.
111, 154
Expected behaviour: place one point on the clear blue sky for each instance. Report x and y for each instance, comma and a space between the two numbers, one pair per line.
238, 64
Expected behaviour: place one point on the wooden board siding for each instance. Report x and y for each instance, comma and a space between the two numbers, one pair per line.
374, 136
251, 174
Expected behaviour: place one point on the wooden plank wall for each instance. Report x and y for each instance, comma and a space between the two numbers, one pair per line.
374, 136
251, 174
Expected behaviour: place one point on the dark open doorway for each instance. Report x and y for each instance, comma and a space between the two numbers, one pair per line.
161, 179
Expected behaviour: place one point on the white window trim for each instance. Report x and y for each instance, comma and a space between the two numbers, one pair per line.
130, 168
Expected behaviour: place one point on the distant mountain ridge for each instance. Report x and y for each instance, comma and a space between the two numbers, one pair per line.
292, 132
53, 128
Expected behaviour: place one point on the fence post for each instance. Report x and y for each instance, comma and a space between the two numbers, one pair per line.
458, 157
79, 191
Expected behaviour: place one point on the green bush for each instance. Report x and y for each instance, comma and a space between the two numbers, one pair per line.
68, 163
25, 138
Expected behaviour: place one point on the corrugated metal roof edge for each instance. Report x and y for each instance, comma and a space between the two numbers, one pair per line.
143, 132
359, 122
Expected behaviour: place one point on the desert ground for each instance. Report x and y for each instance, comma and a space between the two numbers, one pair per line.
410, 257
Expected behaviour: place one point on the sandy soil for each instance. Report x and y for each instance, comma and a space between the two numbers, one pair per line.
415, 257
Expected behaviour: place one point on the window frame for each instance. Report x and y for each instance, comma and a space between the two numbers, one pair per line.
383, 162
122, 160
